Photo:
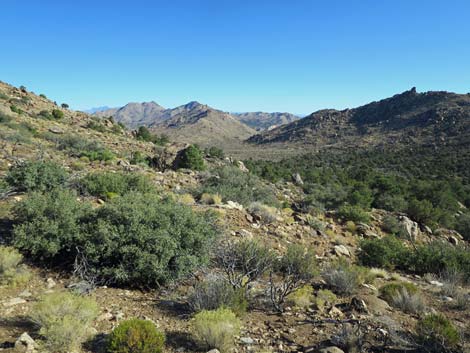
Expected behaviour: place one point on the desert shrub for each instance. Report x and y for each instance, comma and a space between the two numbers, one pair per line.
210, 199
42, 95
436, 333
301, 298
315, 223
57, 114
451, 279
3, 96
44, 114
64, 320
323, 298
4, 118
421, 211
343, 277
389, 290
353, 213
214, 293
392, 203
351, 338
233, 184
95, 125
103, 184
136, 336
12, 272
216, 329
392, 225
143, 240
77, 146
214, 152
48, 225
192, 158
387, 252
267, 214
64, 106
293, 270
408, 302
351, 227
138, 158
243, 262
36, 176
15, 109
463, 226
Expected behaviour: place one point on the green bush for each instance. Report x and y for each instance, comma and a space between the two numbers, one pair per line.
64, 320
234, 185
103, 184
437, 334
16, 110
216, 329
36, 176
77, 146
388, 252
141, 239
215, 293
144, 134
421, 211
463, 226
136, 239
57, 114
353, 213
390, 290
95, 125
138, 158
192, 158
44, 114
136, 336
12, 272
343, 277
214, 152
48, 225
290, 272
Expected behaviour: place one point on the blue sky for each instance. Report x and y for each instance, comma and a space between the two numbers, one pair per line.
296, 56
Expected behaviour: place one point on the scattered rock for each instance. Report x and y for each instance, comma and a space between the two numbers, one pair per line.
213, 351
56, 130
232, 205
247, 340
50, 283
14, 301
374, 304
332, 349
25, 343
82, 287
297, 179
359, 305
341, 250
410, 227
242, 167
244, 233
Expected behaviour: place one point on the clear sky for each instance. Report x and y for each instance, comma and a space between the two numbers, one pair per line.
239, 55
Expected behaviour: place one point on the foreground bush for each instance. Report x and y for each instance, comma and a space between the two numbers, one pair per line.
343, 277
107, 184
267, 214
290, 272
136, 336
353, 213
136, 239
64, 320
215, 293
49, 226
11, 270
216, 329
387, 252
390, 290
233, 184
36, 176
437, 334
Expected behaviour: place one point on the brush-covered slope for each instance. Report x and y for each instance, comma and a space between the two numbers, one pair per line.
431, 118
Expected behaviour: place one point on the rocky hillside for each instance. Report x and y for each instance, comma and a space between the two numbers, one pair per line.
203, 125
409, 118
210, 255
265, 121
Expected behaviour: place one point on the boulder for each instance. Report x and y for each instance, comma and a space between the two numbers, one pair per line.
168, 157
242, 167
332, 349
341, 250
25, 343
297, 179
410, 227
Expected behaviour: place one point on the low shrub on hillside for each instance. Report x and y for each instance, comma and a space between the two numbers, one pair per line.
12, 272
36, 176
290, 272
388, 291
343, 277
404, 296
77, 146
136, 336
463, 226
353, 213
216, 329
104, 184
301, 298
214, 293
387, 252
192, 158
210, 199
436, 334
64, 320
267, 214
233, 184
136, 239
144, 134
214, 152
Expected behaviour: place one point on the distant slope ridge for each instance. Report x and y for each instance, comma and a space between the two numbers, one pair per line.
408, 117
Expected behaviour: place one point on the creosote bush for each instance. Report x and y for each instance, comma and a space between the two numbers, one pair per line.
12, 272
216, 329
437, 334
290, 272
36, 176
136, 336
64, 320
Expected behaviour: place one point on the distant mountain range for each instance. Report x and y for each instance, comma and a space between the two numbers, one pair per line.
408, 118
265, 121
